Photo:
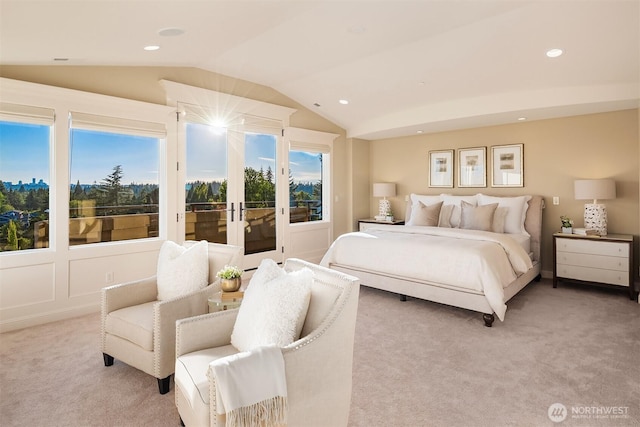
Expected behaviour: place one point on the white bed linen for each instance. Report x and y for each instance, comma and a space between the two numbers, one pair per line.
523, 240
469, 259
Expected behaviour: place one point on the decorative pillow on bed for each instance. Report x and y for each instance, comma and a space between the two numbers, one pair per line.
516, 214
274, 307
498, 220
182, 270
456, 201
422, 214
477, 217
445, 216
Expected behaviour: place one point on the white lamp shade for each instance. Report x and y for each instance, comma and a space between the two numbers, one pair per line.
384, 189
594, 189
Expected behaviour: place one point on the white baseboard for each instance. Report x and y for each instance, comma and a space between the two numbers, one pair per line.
48, 317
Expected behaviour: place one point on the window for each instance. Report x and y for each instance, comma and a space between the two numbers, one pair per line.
25, 141
305, 186
114, 182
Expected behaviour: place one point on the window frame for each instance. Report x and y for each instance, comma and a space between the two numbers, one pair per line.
62, 101
39, 116
119, 126
314, 142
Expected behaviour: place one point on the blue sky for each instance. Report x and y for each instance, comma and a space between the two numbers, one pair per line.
24, 152
24, 155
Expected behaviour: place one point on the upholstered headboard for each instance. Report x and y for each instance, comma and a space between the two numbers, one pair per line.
533, 224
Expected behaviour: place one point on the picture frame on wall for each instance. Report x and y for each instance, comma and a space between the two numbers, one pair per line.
507, 164
441, 168
472, 169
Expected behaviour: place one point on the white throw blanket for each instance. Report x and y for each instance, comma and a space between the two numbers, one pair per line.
252, 387
469, 259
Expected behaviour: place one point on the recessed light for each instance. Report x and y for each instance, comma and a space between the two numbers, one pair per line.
419, 131
151, 47
554, 53
521, 119
60, 59
420, 83
171, 32
343, 102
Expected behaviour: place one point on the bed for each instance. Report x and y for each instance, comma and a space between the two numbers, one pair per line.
473, 252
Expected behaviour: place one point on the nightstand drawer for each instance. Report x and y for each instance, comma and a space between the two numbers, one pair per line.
595, 247
612, 277
594, 261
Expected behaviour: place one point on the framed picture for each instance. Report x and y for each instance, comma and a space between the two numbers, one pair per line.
472, 169
441, 168
507, 162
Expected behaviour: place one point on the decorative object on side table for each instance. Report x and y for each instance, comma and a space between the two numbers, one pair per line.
567, 224
595, 214
384, 190
230, 278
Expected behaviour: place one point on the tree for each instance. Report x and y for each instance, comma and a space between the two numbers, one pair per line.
12, 236
112, 186
5, 205
269, 175
78, 192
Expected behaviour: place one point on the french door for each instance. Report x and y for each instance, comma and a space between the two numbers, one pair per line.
230, 183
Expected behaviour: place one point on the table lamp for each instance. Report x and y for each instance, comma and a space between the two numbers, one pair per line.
595, 214
384, 190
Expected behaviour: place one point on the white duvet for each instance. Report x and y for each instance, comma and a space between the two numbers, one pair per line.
469, 259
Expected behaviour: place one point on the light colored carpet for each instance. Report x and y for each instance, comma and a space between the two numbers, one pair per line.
416, 363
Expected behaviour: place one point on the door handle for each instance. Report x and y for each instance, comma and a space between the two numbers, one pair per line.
232, 211
240, 212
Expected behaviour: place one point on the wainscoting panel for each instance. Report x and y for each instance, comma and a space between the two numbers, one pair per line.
89, 275
23, 286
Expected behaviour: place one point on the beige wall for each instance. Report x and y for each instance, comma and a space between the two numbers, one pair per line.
556, 152
359, 179
141, 83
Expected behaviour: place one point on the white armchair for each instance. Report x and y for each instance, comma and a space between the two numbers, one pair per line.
139, 330
318, 366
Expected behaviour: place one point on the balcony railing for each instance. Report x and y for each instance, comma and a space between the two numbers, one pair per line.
203, 221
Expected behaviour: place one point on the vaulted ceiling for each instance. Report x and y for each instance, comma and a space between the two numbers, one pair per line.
403, 66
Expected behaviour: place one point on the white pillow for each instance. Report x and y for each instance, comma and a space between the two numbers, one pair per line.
182, 270
516, 214
448, 199
274, 307
426, 199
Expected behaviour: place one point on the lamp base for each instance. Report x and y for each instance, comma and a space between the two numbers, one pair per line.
595, 217
384, 207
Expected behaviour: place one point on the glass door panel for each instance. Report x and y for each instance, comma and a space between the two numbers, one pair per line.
206, 183
259, 214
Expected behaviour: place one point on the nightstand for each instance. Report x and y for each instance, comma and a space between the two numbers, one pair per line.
594, 260
363, 224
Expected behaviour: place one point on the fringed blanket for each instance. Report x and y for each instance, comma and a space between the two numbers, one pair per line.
252, 387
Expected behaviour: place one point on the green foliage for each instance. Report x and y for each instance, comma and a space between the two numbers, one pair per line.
12, 236
112, 187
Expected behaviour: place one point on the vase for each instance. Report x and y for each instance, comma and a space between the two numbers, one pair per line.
567, 230
230, 285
